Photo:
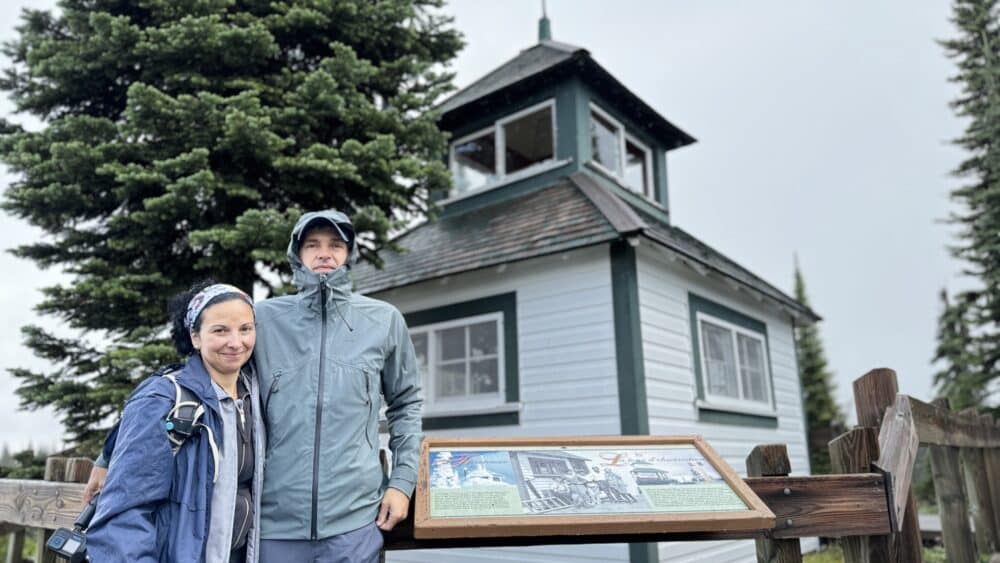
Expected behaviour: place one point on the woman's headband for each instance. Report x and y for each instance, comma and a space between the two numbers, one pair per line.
202, 299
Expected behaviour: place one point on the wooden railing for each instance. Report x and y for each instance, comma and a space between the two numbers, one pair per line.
868, 504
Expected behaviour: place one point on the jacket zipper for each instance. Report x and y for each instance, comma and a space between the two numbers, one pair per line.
319, 412
368, 402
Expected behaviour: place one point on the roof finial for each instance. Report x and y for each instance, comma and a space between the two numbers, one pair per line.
544, 26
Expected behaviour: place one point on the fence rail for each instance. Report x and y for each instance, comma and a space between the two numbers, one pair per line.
869, 503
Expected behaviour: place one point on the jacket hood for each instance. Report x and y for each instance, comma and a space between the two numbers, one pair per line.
305, 279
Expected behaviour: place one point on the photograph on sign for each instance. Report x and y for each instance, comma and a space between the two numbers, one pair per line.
531, 485
579, 480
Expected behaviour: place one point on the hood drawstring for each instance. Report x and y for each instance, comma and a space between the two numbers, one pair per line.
341, 315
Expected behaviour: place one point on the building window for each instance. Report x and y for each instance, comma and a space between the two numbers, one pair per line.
467, 358
619, 154
459, 360
732, 363
512, 146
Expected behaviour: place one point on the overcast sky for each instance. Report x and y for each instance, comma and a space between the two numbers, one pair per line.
823, 129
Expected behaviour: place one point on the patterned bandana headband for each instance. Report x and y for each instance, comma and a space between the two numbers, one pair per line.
200, 301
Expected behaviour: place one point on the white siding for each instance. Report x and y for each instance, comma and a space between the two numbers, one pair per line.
567, 371
670, 386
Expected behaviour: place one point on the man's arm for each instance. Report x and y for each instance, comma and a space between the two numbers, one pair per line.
404, 400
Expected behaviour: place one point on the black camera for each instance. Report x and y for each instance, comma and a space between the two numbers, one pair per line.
72, 544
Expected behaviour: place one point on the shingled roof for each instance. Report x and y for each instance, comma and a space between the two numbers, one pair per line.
572, 213
546, 62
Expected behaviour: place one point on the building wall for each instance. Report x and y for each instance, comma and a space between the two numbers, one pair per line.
664, 286
567, 373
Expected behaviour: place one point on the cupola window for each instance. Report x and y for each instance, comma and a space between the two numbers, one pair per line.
619, 154
512, 147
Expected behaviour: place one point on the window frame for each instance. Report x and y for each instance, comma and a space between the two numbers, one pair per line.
728, 411
735, 330
622, 135
507, 411
500, 142
468, 401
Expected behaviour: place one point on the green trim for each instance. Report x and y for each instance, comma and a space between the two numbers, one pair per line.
713, 416
472, 421
635, 129
698, 304
643, 553
632, 406
505, 303
567, 95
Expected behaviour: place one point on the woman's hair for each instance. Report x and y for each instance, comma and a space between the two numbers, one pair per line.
177, 307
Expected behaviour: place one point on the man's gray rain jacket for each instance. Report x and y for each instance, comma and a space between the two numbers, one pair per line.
326, 357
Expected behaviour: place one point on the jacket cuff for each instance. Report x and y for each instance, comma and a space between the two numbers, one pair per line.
403, 483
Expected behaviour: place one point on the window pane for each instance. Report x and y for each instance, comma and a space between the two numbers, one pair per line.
451, 343
483, 339
450, 380
420, 348
528, 140
484, 376
720, 361
636, 167
752, 368
475, 162
604, 142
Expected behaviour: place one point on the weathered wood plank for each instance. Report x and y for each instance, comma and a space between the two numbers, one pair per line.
78, 469
898, 444
874, 392
939, 426
991, 457
40, 504
978, 488
825, 505
766, 461
854, 452
958, 541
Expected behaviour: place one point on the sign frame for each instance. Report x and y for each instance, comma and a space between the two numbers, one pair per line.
757, 517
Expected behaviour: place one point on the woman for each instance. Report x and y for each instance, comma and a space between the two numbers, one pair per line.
200, 502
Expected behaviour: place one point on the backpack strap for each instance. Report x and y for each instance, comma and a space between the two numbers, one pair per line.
184, 419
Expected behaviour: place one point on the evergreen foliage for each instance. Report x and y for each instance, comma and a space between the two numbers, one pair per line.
182, 139
25, 464
823, 415
976, 52
960, 377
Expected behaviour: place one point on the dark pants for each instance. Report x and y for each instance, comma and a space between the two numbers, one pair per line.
357, 546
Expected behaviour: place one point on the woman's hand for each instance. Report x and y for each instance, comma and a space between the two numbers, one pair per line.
95, 483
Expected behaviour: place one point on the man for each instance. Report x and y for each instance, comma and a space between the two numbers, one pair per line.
324, 357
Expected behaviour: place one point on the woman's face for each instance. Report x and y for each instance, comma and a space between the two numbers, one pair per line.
226, 337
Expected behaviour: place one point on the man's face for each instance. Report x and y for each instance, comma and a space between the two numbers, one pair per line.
322, 250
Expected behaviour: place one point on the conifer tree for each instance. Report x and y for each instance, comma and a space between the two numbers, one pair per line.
822, 411
182, 139
976, 52
959, 377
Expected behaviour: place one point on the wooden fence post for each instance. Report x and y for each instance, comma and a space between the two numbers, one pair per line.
769, 461
991, 456
978, 487
874, 392
15, 547
949, 489
854, 452
55, 470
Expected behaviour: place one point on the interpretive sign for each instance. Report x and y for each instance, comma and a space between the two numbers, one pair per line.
551, 486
